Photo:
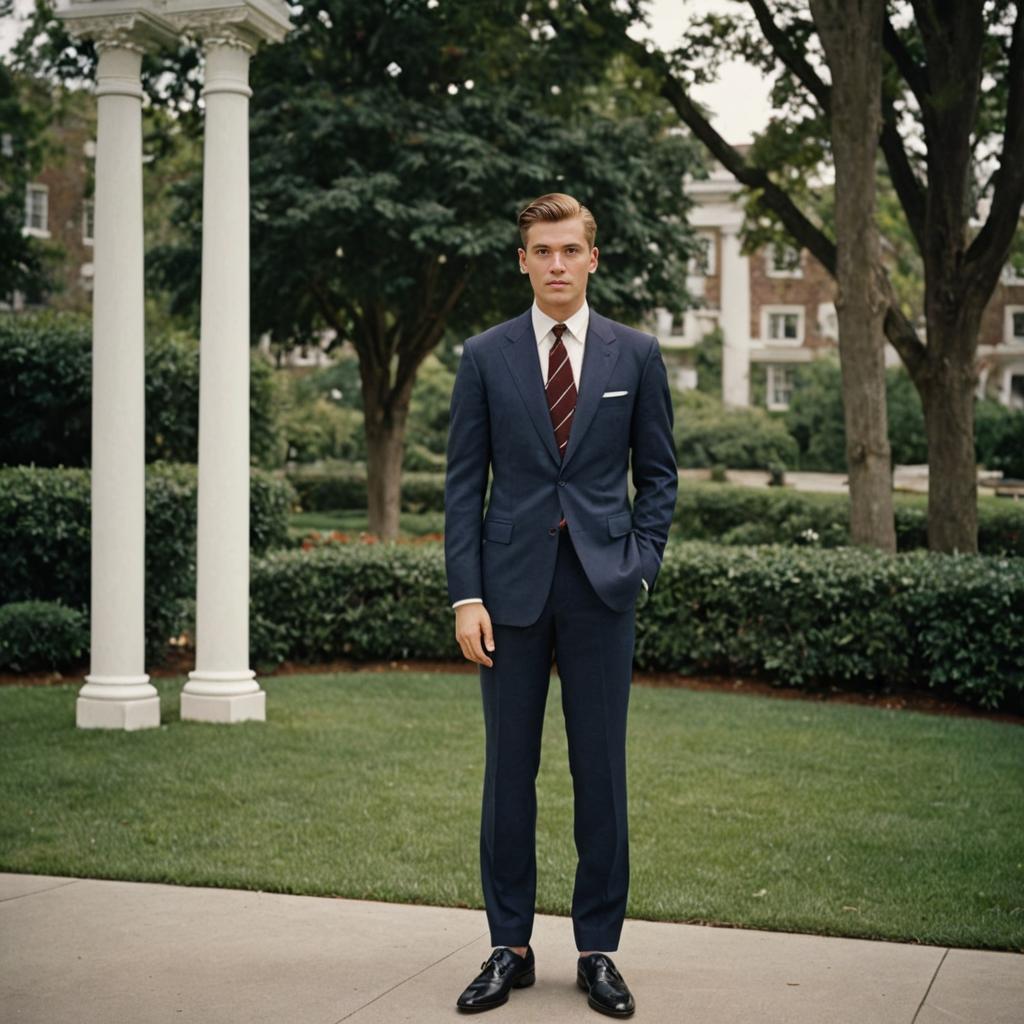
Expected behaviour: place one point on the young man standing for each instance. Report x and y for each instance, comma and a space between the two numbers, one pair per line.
555, 403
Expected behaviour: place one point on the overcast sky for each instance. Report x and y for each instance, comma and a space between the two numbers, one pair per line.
738, 100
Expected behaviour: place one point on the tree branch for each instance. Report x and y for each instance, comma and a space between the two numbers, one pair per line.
991, 246
782, 44
414, 354
916, 77
898, 329
912, 194
771, 196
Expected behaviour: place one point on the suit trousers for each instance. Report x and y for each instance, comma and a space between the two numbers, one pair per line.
593, 648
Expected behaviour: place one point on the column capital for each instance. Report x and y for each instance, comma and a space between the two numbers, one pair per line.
136, 25
239, 23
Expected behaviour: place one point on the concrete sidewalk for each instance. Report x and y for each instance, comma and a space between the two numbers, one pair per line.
85, 950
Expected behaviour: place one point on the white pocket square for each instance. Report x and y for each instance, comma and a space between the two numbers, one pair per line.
614, 394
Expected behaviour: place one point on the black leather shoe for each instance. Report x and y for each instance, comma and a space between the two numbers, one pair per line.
501, 972
606, 989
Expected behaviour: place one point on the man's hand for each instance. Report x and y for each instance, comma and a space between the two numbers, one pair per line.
471, 624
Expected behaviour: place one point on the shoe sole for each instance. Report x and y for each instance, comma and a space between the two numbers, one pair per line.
581, 982
524, 981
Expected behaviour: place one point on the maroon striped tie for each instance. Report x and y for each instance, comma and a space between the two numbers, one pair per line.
560, 389
561, 392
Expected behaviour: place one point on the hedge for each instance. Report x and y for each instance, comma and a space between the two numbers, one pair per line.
708, 433
800, 617
46, 381
732, 514
44, 533
362, 601
328, 486
37, 635
850, 616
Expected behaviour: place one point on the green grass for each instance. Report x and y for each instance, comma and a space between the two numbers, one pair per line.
785, 815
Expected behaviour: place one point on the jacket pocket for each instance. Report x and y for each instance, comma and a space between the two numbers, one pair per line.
499, 530
620, 523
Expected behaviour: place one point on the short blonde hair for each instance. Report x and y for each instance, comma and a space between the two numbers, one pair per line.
557, 206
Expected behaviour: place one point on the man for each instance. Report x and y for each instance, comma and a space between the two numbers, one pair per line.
554, 402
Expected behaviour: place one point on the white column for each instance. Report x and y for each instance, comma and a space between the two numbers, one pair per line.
735, 319
117, 693
222, 687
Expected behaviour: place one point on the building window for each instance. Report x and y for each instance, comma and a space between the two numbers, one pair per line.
86, 275
783, 261
88, 215
37, 199
1014, 329
703, 263
779, 389
782, 325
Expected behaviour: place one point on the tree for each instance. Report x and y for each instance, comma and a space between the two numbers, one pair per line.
952, 135
392, 146
26, 263
852, 37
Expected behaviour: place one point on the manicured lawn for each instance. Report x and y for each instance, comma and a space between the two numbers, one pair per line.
786, 815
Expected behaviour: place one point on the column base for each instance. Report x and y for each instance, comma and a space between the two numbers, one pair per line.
223, 697
91, 713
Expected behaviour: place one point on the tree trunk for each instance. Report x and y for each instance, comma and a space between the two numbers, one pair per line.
385, 424
946, 382
851, 33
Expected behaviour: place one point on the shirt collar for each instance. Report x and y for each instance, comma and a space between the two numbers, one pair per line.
576, 324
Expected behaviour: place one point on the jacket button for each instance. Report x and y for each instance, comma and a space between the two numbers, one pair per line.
561, 483
553, 531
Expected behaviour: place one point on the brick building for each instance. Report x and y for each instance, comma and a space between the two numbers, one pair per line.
58, 203
776, 310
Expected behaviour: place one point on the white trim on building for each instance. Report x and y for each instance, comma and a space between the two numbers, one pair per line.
783, 261
779, 383
37, 210
783, 325
1013, 325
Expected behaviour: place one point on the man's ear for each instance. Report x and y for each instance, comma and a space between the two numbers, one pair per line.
522, 261
593, 260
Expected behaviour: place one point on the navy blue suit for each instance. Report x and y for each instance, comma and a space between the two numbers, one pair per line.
568, 594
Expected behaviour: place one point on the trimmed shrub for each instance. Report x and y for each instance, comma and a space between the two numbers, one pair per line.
46, 381
328, 486
999, 438
851, 617
359, 601
754, 515
807, 618
42, 635
45, 528
707, 434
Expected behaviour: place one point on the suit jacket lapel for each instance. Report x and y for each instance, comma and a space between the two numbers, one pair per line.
600, 354
520, 351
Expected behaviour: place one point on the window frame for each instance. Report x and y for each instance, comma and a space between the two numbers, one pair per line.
766, 314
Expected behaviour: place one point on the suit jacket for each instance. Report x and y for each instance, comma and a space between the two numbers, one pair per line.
499, 420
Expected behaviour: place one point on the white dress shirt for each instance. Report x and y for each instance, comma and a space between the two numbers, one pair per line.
573, 338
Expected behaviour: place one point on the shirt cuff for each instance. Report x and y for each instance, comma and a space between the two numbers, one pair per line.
469, 600
644, 582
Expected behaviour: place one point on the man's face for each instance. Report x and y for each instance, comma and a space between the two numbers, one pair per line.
559, 262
